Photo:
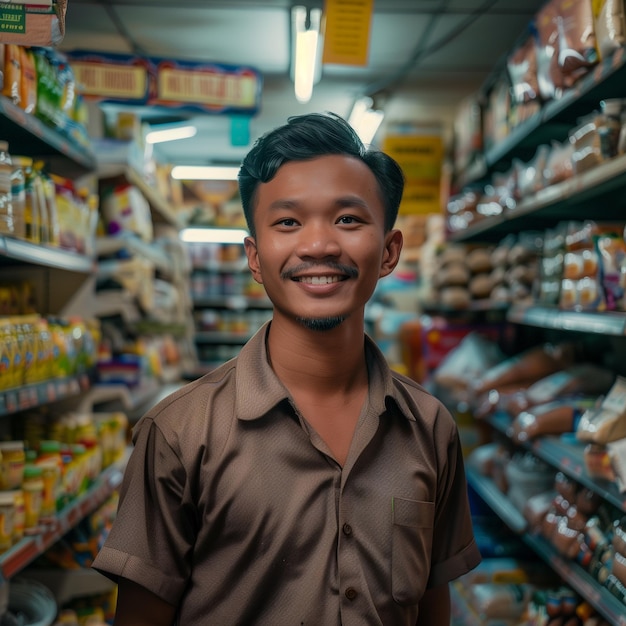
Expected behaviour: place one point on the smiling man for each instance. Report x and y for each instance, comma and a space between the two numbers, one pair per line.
303, 483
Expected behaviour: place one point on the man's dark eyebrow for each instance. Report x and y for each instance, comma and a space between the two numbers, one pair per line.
352, 201
283, 204
341, 202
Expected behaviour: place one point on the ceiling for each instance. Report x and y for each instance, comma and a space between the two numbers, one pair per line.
425, 56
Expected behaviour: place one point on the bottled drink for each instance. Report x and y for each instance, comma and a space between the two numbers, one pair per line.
31, 207
7, 225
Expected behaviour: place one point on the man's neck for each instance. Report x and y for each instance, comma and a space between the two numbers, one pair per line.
314, 361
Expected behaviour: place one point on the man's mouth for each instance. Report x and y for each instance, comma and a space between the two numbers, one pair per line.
319, 280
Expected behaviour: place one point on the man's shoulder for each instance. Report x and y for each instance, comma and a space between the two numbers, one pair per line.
187, 401
200, 411
417, 400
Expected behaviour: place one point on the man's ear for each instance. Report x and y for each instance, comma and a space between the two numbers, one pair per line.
249, 244
391, 253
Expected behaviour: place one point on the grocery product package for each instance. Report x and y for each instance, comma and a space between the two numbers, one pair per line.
550, 418
606, 422
40, 25
125, 210
610, 26
528, 366
574, 381
467, 361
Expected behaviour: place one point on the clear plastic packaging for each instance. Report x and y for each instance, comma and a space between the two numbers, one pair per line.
7, 224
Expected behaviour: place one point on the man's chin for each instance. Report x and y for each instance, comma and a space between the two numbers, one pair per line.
321, 323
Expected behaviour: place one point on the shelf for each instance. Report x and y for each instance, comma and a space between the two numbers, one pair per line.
70, 584
18, 251
565, 453
216, 337
29, 548
41, 393
133, 246
598, 596
28, 135
236, 303
567, 200
112, 302
490, 493
556, 118
161, 209
603, 323
223, 267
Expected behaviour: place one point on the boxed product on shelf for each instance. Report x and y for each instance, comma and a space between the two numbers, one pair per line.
44, 24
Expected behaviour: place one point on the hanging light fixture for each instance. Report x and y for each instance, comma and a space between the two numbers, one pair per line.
365, 118
205, 172
172, 133
307, 46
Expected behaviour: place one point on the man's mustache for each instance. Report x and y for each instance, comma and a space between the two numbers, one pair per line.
348, 270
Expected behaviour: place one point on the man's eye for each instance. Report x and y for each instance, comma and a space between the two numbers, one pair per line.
347, 219
288, 221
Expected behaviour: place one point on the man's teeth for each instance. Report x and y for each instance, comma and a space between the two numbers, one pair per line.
319, 280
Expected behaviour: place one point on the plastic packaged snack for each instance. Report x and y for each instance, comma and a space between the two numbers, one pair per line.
606, 422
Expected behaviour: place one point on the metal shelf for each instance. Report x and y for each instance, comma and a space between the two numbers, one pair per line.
565, 453
597, 322
568, 199
26, 550
217, 337
235, 302
42, 393
18, 251
27, 134
582, 582
556, 117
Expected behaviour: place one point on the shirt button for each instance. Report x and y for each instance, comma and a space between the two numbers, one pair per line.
347, 529
351, 593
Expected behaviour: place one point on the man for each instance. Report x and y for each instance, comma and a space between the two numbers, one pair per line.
302, 483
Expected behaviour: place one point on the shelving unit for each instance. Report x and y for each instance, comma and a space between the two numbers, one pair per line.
598, 194
569, 199
29, 548
554, 120
597, 595
27, 135
601, 323
38, 394
228, 307
63, 283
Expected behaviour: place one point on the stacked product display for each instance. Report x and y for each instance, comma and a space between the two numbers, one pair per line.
536, 376
229, 306
64, 407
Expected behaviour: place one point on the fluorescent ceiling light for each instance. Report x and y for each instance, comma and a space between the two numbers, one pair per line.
205, 172
306, 62
213, 235
171, 134
365, 120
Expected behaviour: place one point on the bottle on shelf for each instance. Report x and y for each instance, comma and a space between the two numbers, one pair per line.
32, 229
7, 225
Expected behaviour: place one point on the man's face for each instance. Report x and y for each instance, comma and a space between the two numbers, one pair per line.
320, 244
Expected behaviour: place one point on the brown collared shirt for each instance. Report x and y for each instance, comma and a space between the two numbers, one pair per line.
234, 510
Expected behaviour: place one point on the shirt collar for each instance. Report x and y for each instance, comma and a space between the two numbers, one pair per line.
259, 390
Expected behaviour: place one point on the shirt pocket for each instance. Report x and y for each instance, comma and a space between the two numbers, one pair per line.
411, 543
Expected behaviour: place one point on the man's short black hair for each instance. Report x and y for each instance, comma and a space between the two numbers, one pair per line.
306, 137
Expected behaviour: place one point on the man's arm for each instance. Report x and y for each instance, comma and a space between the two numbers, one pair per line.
434, 607
136, 606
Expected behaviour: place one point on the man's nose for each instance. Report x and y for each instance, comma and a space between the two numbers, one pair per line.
319, 240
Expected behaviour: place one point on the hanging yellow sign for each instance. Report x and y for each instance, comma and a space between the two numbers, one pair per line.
347, 31
421, 159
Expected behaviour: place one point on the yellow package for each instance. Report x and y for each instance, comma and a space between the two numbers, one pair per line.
28, 83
